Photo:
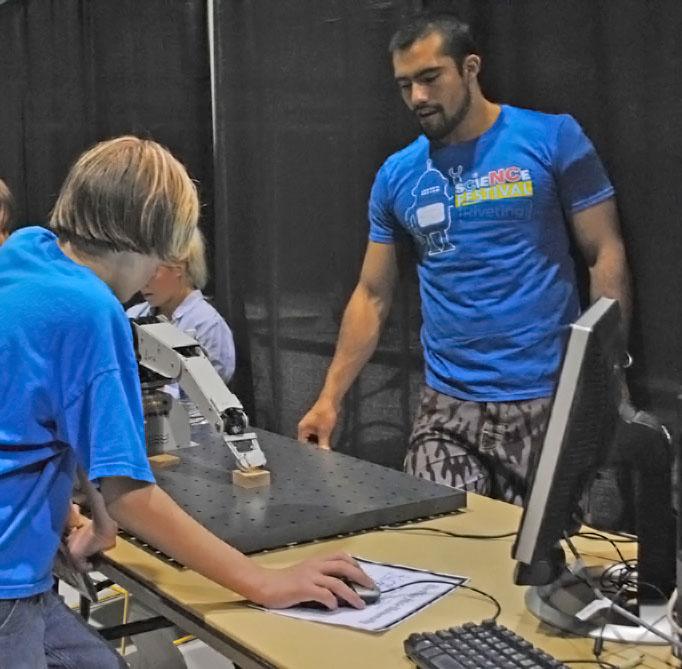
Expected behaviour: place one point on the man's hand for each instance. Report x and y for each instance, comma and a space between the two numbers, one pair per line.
84, 538
313, 580
317, 425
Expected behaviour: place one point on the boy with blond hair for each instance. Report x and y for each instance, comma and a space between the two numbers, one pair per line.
71, 398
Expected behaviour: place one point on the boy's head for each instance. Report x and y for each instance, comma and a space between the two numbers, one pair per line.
6, 211
175, 279
127, 194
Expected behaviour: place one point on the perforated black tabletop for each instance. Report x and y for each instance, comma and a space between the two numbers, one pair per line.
313, 493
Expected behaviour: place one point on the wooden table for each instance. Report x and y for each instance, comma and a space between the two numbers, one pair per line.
254, 638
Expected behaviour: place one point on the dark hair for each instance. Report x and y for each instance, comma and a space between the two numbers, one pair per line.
458, 40
6, 209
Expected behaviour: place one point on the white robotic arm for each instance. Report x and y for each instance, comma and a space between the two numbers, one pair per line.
173, 355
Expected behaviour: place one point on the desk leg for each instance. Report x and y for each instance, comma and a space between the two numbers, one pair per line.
192, 624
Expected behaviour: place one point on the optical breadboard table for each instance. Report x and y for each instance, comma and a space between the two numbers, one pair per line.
313, 493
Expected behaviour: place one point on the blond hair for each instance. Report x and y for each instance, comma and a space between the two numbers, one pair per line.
127, 194
194, 261
6, 209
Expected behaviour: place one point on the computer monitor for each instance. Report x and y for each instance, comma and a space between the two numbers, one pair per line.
591, 426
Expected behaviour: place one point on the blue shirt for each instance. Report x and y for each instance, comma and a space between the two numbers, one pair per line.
70, 393
195, 316
488, 218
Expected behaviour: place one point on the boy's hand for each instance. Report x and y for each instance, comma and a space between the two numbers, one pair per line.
84, 538
312, 580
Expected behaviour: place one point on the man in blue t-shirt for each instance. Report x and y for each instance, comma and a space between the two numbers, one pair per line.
488, 194
71, 400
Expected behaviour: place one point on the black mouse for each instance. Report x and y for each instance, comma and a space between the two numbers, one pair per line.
367, 595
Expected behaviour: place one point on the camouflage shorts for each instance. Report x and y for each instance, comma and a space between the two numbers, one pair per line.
483, 447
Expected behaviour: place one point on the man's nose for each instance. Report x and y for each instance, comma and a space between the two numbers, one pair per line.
420, 94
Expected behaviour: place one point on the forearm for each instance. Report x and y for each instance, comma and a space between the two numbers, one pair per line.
102, 522
610, 277
149, 513
358, 338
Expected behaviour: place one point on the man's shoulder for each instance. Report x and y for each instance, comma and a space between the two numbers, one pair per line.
522, 119
405, 157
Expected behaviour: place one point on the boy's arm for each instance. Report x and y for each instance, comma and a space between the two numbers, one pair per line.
149, 513
86, 537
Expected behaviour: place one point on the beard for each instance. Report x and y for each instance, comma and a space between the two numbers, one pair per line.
438, 125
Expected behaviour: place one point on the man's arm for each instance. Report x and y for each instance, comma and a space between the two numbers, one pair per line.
149, 513
358, 337
597, 232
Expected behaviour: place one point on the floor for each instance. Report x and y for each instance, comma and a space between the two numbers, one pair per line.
169, 648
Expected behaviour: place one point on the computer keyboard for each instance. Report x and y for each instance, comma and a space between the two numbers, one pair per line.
472, 646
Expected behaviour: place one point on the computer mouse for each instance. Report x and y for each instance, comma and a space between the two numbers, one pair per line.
367, 595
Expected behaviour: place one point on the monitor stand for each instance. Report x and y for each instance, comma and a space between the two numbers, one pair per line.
558, 604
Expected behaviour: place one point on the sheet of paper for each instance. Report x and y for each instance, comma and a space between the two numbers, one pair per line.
411, 595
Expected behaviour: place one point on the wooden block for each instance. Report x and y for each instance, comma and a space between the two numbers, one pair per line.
252, 479
163, 460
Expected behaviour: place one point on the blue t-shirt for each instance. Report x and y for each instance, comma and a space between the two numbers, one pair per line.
69, 394
488, 218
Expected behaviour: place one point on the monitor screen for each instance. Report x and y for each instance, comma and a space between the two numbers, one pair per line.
577, 441
593, 425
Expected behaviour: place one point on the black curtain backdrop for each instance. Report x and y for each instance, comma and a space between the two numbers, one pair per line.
307, 111
74, 72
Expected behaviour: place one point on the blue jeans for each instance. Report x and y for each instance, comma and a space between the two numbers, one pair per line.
41, 631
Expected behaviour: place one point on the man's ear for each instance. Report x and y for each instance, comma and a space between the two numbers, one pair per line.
471, 66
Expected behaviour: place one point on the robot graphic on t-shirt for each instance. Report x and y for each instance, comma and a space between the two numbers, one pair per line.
429, 216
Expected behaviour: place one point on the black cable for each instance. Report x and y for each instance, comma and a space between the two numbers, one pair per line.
437, 530
587, 581
601, 537
598, 646
627, 577
653, 587
498, 607
432, 580
598, 536
601, 663
618, 576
